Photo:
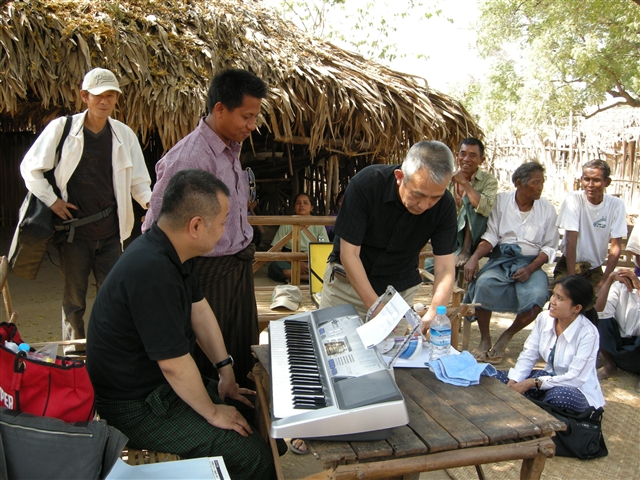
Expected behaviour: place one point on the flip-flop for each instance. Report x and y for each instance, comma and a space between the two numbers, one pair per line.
296, 450
480, 356
494, 359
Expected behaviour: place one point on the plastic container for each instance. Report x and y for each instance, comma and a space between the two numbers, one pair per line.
440, 334
11, 346
40, 356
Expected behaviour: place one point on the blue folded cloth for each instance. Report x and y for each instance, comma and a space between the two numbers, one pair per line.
461, 370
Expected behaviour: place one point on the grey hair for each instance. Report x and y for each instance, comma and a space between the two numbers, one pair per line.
524, 171
600, 165
430, 155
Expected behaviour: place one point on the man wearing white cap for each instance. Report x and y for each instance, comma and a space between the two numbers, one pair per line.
101, 167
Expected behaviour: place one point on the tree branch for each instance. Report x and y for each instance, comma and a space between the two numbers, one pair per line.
622, 93
602, 109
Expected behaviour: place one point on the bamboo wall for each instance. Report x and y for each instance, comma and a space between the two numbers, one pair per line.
563, 157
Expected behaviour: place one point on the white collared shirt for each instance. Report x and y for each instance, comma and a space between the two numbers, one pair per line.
574, 361
624, 306
533, 231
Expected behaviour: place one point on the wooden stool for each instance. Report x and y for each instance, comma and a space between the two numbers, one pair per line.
144, 457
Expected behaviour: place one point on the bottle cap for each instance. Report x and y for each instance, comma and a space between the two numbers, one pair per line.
441, 310
24, 347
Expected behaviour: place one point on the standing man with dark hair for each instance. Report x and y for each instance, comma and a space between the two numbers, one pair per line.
143, 326
474, 191
233, 104
388, 215
101, 167
590, 219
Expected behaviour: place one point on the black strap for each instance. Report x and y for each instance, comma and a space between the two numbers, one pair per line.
50, 174
71, 225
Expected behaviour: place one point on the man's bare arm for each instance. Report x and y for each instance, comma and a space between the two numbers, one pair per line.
612, 260
570, 250
184, 378
443, 281
209, 337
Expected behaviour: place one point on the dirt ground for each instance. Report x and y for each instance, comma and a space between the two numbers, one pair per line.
38, 305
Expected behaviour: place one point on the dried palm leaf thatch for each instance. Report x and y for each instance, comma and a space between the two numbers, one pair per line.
165, 53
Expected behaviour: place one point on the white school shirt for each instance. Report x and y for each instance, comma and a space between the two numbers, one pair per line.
574, 361
624, 306
537, 232
595, 224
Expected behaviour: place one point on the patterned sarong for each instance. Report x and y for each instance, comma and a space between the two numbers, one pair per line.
165, 423
496, 290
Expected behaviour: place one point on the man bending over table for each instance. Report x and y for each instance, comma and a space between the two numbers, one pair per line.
146, 318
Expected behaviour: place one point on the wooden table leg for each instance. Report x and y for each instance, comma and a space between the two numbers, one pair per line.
456, 300
264, 419
532, 467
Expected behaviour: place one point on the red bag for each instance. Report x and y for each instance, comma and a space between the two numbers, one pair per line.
60, 390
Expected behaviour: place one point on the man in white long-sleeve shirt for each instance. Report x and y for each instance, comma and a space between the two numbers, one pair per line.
101, 167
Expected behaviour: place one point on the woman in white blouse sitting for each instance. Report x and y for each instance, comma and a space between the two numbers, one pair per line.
568, 342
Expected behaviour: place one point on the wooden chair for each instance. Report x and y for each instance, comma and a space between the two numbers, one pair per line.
12, 315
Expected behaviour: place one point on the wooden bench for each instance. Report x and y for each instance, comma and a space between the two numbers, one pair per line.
626, 258
133, 456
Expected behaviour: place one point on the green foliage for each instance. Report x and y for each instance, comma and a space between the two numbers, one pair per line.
367, 26
551, 57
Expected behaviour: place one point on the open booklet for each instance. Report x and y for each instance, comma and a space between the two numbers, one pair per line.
394, 330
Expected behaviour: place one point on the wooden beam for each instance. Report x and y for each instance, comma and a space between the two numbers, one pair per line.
291, 220
539, 449
296, 140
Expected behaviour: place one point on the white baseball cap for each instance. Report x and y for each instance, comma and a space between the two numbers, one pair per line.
100, 80
287, 296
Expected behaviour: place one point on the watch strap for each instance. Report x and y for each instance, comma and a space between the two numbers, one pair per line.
223, 363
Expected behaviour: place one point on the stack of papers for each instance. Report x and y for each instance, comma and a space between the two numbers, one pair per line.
461, 370
206, 468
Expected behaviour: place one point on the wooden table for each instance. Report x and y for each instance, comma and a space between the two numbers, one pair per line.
448, 427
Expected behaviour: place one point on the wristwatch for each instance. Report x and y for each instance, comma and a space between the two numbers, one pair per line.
223, 363
537, 382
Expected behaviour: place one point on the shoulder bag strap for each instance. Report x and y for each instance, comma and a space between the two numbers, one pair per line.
49, 175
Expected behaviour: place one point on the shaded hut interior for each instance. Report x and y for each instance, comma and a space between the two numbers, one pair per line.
329, 112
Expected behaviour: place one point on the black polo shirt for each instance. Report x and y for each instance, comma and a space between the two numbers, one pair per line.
141, 314
373, 217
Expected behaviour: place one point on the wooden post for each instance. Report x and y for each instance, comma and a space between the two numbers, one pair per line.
295, 247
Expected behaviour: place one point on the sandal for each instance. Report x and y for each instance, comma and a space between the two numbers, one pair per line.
298, 450
480, 356
494, 359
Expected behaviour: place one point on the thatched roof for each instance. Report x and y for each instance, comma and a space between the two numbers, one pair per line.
165, 53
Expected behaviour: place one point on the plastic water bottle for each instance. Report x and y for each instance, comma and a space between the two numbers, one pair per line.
440, 333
